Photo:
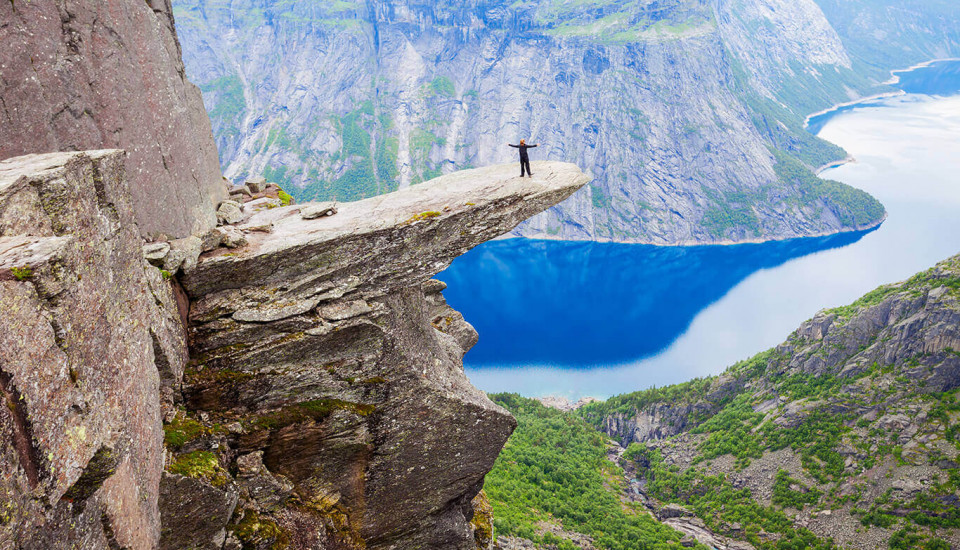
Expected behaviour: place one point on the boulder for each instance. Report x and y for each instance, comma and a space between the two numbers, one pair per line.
229, 212
155, 253
231, 237
256, 185
183, 254
210, 240
674, 511
315, 210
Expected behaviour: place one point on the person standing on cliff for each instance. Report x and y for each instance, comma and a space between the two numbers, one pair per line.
524, 158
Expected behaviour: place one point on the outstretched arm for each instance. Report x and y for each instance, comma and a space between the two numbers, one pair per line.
532, 146
514, 146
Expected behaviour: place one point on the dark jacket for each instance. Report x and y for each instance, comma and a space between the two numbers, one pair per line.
523, 150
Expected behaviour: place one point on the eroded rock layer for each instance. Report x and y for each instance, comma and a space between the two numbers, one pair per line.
327, 369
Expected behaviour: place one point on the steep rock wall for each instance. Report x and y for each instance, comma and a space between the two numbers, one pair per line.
324, 404
88, 332
327, 369
78, 75
672, 106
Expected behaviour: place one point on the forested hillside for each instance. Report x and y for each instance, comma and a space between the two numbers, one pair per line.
847, 435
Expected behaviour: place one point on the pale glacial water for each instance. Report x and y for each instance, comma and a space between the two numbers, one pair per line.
592, 319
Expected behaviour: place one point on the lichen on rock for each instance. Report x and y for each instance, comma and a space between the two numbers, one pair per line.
84, 339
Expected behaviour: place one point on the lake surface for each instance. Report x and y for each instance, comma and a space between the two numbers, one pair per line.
578, 318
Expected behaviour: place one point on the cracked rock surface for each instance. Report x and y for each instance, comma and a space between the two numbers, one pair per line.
93, 74
328, 348
90, 349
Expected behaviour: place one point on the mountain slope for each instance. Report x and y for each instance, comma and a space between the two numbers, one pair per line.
680, 119
850, 427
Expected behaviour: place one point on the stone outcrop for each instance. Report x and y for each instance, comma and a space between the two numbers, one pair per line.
91, 348
328, 354
876, 382
94, 74
324, 404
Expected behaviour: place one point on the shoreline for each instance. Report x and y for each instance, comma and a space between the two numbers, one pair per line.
895, 78
688, 243
839, 106
834, 164
817, 171
892, 81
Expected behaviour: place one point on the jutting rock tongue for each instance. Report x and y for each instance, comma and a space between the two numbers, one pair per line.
85, 324
331, 356
94, 74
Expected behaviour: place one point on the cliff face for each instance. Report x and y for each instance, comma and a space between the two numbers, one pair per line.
674, 107
335, 366
324, 404
859, 409
895, 33
78, 75
89, 334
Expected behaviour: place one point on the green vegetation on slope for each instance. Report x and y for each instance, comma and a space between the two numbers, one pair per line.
367, 159
770, 403
853, 207
229, 106
733, 210
554, 468
716, 501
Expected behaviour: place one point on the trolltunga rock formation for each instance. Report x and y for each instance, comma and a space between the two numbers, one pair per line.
87, 333
94, 74
328, 348
324, 404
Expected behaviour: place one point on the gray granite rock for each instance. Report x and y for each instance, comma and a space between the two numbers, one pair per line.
256, 185
210, 239
310, 211
232, 237
155, 253
93, 350
103, 74
195, 514
319, 340
229, 212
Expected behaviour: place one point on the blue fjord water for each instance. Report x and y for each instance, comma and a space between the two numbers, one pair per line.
579, 318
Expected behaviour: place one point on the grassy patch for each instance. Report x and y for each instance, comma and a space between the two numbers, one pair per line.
791, 493
200, 465
719, 504
21, 273
853, 207
555, 468
315, 411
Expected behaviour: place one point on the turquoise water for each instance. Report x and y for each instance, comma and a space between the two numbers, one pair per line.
575, 319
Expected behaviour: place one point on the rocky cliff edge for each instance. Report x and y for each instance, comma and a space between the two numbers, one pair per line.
95, 74
333, 356
324, 403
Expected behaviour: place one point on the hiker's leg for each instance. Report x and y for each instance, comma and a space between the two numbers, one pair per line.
521, 168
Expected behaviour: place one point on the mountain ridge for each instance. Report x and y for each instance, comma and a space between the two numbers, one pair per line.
678, 122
